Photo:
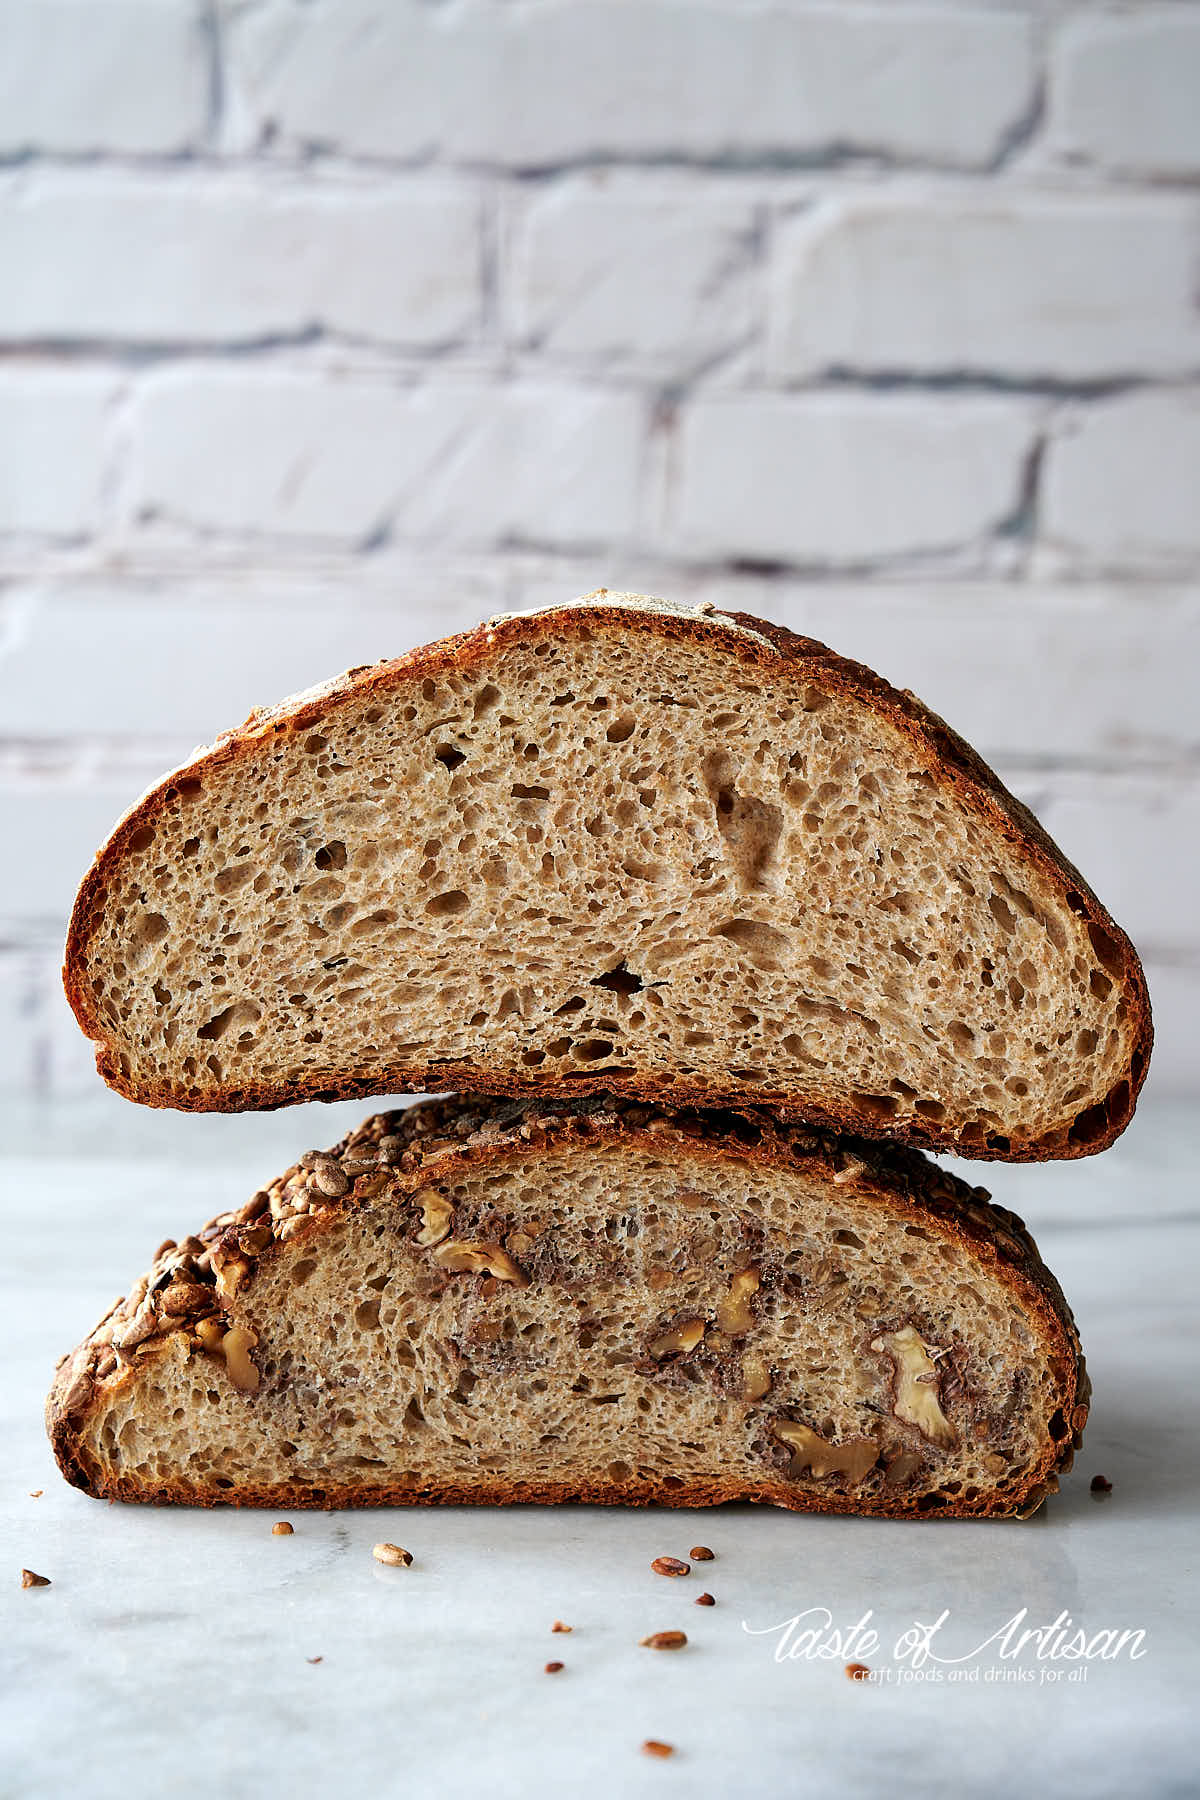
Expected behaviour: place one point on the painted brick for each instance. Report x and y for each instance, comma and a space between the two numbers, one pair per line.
178, 660
1126, 90
654, 273
1013, 284
23, 987
845, 478
236, 260
52, 449
1175, 1003
1122, 481
343, 458
535, 86
1115, 828
539, 464
114, 75
40, 889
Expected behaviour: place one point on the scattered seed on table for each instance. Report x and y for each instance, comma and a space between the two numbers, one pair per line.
552, 1668
559, 1626
281, 1528
702, 1553
664, 1640
393, 1555
656, 1747
29, 1579
705, 1600
1101, 1484
857, 1672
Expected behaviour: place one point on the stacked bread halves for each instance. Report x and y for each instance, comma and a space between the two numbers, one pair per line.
710, 933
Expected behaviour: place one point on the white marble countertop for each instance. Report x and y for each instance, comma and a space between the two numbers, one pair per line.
174, 1651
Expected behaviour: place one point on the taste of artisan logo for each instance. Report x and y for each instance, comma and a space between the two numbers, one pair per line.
1023, 1650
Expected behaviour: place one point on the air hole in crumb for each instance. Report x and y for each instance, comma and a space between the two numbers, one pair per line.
620, 980
1117, 1104
1002, 913
1106, 948
241, 1014
444, 906
621, 729
150, 928
877, 1106
372, 921
331, 856
450, 756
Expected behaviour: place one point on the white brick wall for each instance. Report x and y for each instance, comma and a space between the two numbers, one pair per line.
53, 449
608, 271
104, 76
1125, 90
847, 478
1006, 283
1123, 481
572, 80
157, 259
328, 326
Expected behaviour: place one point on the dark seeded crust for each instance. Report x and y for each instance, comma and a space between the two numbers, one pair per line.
434, 1137
955, 766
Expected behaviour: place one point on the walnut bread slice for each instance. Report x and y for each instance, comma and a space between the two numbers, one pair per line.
540, 1300
664, 853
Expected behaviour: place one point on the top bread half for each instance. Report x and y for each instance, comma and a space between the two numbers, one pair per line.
613, 845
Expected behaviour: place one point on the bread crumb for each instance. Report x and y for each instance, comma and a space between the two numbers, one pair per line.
29, 1579
281, 1528
857, 1672
656, 1747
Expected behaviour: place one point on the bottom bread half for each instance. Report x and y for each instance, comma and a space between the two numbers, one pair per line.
476, 1301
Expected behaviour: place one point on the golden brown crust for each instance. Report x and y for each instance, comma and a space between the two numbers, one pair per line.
951, 761
423, 1146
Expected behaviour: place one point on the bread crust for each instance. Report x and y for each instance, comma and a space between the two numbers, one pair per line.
761, 645
437, 1138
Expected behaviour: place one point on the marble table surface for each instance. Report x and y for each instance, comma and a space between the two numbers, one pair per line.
176, 1652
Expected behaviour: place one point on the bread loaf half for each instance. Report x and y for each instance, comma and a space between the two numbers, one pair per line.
588, 1300
622, 846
